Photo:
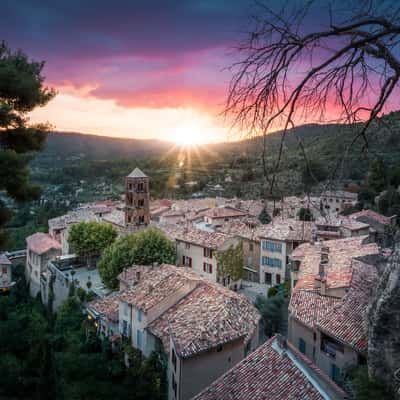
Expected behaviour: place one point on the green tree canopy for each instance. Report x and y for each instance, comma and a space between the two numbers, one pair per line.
377, 177
21, 90
264, 217
312, 173
143, 248
305, 214
89, 239
230, 262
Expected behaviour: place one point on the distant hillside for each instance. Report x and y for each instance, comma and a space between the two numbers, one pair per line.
100, 147
325, 145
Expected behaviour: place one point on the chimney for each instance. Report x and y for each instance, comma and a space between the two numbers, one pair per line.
138, 276
281, 340
323, 286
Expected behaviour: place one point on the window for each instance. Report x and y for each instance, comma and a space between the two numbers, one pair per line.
187, 261
139, 336
330, 346
140, 203
219, 348
173, 358
124, 328
187, 246
141, 219
268, 278
335, 373
278, 279
140, 187
4, 270
140, 315
251, 247
272, 246
207, 267
207, 252
271, 262
302, 346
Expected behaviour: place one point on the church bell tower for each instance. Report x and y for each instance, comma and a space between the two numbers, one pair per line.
137, 200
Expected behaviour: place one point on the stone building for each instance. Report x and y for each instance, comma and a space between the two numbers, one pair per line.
334, 202
6, 281
333, 283
137, 200
202, 328
196, 250
278, 239
41, 248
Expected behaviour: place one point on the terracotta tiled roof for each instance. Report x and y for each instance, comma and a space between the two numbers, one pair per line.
245, 228
338, 271
40, 243
116, 217
309, 307
373, 215
268, 373
106, 307
340, 194
288, 230
208, 316
346, 321
212, 240
348, 223
154, 285
224, 212
172, 231
172, 213
73, 217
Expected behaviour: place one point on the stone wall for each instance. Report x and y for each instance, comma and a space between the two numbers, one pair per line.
384, 327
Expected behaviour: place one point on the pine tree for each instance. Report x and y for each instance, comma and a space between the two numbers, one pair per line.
21, 90
264, 217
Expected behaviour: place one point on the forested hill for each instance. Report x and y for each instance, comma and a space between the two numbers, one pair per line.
324, 145
326, 138
100, 147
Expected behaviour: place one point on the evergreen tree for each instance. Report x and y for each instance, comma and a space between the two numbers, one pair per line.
21, 90
264, 217
305, 214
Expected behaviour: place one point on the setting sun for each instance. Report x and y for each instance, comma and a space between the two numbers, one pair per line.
188, 135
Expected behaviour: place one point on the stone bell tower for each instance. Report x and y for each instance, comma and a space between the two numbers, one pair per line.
137, 201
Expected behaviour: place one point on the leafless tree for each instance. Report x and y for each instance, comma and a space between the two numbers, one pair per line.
288, 74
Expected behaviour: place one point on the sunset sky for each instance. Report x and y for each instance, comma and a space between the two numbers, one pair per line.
138, 68
143, 69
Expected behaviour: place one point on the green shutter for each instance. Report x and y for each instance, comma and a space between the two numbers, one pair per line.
302, 346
